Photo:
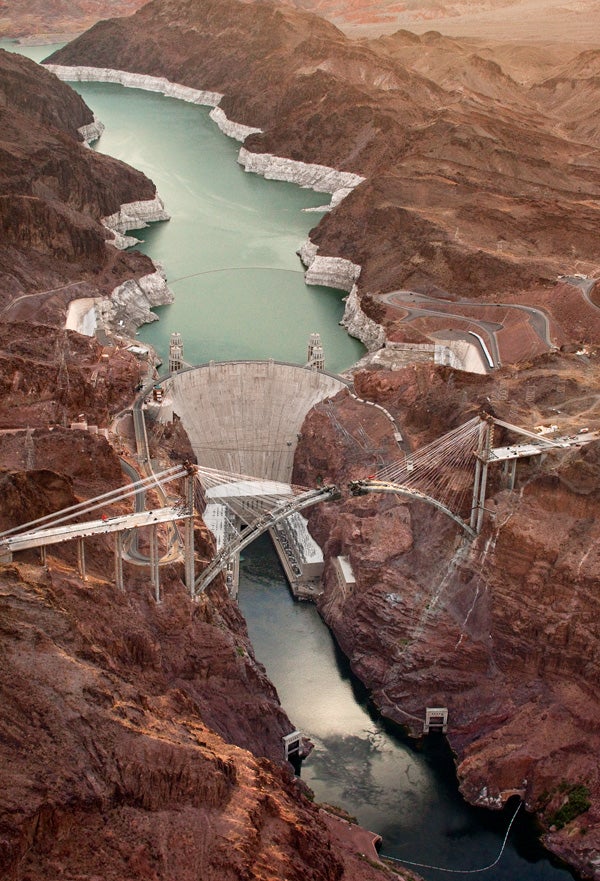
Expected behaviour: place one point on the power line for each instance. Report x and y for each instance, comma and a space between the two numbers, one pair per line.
461, 871
234, 269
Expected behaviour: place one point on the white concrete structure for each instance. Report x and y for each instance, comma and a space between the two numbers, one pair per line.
245, 416
219, 520
175, 352
300, 550
436, 719
344, 572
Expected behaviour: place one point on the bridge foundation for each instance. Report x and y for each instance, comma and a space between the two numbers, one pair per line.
189, 535
482, 454
154, 571
436, 719
510, 473
292, 747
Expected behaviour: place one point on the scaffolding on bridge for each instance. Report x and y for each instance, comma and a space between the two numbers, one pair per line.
65, 525
451, 472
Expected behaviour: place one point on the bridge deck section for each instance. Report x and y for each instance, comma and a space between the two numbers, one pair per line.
58, 534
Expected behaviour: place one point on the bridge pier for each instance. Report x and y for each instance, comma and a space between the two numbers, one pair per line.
292, 747
482, 454
81, 559
436, 719
189, 535
154, 570
510, 473
43, 555
119, 560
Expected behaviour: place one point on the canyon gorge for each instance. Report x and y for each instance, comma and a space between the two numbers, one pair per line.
148, 739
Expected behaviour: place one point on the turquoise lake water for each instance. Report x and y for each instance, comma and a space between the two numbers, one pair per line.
229, 250
226, 224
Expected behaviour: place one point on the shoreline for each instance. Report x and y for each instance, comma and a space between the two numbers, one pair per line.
334, 272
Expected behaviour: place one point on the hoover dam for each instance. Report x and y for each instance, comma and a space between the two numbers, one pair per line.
245, 416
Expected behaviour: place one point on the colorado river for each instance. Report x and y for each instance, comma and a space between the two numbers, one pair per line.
232, 242
409, 796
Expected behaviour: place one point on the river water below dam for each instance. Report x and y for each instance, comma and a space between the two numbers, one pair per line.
232, 242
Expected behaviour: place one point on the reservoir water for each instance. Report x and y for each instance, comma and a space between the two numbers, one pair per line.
229, 250
232, 243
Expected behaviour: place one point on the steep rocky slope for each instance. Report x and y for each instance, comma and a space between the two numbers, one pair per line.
126, 725
55, 192
58, 18
52, 377
471, 186
53, 249
504, 630
137, 739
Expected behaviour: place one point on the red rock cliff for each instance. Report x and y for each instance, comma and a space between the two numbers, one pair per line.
503, 630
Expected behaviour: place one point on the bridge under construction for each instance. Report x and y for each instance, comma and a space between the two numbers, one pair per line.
450, 474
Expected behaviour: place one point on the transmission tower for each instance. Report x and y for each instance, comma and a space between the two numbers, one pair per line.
63, 387
29, 451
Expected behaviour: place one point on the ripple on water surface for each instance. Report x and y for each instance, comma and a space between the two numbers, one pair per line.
406, 794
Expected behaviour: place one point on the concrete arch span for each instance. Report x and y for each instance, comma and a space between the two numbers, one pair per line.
245, 416
267, 521
361, 487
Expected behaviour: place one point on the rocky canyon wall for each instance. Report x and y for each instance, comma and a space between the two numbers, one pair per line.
459, 195
137, 739
503, 630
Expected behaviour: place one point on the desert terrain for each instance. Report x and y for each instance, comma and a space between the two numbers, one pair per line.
537, 21
478, 211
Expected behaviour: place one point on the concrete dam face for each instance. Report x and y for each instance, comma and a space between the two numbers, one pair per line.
245, 416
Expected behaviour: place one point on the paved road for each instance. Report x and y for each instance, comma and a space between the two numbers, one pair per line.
538, 319
38, 294
585, 285
130, 538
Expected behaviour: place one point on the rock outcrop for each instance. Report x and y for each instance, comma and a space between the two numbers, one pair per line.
358, 324
317, 177
131, 303
85, 74
136, 215
55, 195
229, 128
334, 272
502, 631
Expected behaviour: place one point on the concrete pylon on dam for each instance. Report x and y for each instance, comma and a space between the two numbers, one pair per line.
245, 416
